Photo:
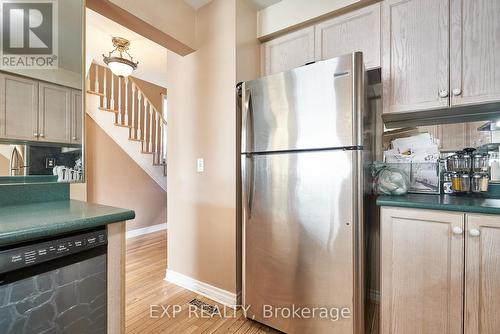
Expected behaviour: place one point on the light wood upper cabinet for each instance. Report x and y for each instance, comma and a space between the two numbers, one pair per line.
482, 275
289, 51
475, 51
76, 116
422, 269
54, 113
18, 107
355, 31
415, 54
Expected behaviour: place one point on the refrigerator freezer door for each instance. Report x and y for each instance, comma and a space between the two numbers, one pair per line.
309, 107
298, 228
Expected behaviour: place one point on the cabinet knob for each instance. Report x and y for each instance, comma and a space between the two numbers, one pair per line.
457, 92
443, 93
74, 138
42, 135
457, 230
35, 135
473, 232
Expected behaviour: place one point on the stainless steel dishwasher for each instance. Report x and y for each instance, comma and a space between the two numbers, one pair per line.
55, 285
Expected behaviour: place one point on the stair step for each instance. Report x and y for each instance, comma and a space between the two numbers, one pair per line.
133, 139
124, 125
146, 152
108, 110
95, 93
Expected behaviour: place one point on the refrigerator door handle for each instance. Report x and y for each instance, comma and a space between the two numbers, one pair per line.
248, 184
246, 120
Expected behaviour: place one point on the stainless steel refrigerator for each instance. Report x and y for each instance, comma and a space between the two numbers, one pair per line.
305, 148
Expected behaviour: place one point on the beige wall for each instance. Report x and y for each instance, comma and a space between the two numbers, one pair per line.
4, 166
113, 178
152, 91
202, 215
173, 17
291, 13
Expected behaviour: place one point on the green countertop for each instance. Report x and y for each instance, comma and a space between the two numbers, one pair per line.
26, 222
443, 202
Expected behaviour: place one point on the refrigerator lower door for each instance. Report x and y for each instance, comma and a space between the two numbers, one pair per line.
298, 239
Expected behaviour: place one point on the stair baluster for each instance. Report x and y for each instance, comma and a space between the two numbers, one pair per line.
132, 109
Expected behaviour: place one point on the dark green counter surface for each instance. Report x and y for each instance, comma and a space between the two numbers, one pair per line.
26, 222
443, 202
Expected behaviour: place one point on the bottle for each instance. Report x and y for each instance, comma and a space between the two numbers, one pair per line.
447, 184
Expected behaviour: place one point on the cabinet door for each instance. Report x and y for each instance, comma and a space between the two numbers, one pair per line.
354, 31
452, 137
482, 274
18, 108
289, 51
76, 116
54, 113
475, 51
422, 268
415, 59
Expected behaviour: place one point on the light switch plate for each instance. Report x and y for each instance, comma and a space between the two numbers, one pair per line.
200, 165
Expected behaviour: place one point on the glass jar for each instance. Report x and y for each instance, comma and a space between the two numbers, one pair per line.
485, 180
467, 160
476, 182
480, 162
465, 182
456, 183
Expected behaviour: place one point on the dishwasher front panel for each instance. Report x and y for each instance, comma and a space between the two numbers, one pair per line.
67, 295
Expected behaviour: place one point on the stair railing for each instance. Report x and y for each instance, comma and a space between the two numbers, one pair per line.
132, 109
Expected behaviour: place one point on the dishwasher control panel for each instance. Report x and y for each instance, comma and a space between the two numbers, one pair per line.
20, 257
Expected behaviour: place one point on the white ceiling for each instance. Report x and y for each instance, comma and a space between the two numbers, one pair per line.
151, 56
259, 4
197, 3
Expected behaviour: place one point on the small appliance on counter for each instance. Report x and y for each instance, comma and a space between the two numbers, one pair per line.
466, 172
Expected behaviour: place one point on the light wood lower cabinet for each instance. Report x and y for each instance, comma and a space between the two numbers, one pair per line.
440, 272
422, 271
482, 274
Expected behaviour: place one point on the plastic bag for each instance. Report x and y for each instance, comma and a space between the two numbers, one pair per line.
389, 180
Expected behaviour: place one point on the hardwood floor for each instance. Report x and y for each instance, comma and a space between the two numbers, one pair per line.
146, 262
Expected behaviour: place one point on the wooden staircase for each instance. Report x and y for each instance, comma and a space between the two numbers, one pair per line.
132, 110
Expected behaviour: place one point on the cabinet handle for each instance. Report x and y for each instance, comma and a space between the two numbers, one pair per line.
443, 93
35, 135
473, 232
457, 92
457, 230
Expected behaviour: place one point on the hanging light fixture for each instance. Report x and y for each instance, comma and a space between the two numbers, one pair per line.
119, 65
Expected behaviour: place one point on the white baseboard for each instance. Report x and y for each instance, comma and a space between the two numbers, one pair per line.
146, 230
219, 295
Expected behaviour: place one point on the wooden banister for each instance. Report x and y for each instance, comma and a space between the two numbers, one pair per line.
132, 109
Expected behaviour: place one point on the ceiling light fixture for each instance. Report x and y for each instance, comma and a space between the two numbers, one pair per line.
119, 65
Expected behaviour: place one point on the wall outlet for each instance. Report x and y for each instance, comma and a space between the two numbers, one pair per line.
50, 162
200, 165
